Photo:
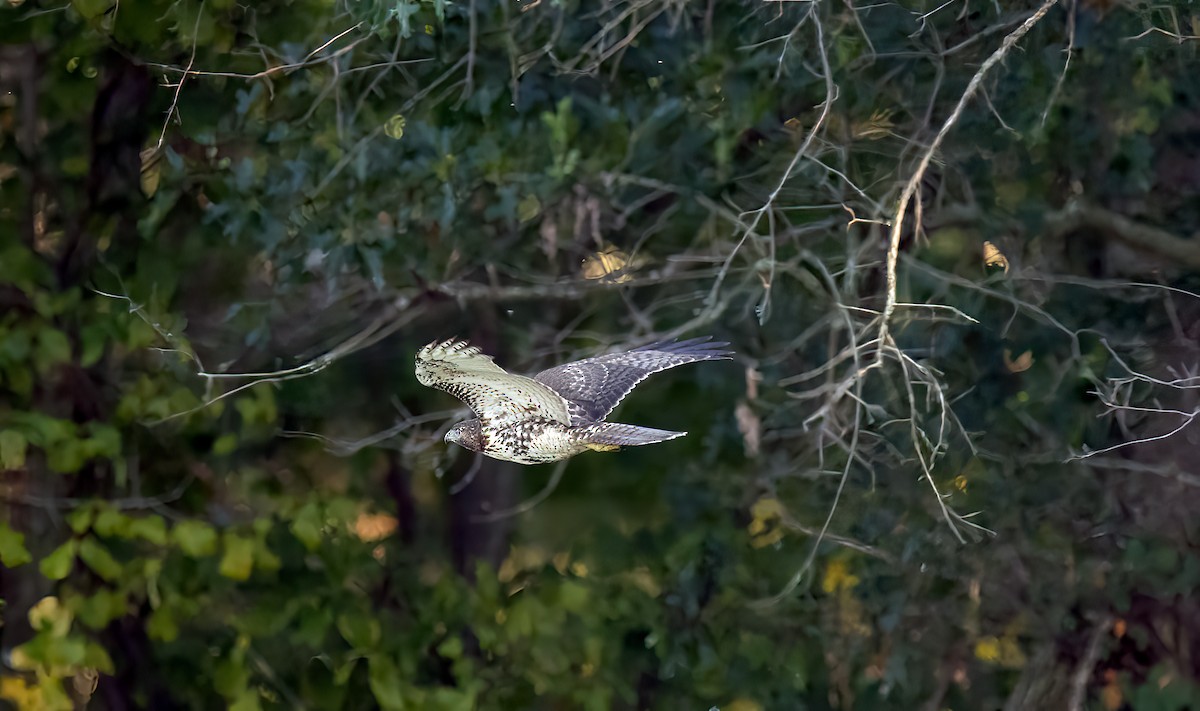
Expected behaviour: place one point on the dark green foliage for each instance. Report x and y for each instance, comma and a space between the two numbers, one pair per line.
308, 191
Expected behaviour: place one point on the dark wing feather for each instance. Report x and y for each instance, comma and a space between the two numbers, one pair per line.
593, 387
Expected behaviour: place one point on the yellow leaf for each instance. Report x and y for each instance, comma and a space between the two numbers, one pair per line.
394, 128
766, 508
1001, 651
993, 257
642, 579
609, 263
50, 614
151, 171
987, 649
742, 704
238, 559
764, 525
838, 577
768, 538
21, 693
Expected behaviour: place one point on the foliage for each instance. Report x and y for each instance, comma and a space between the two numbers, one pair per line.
226, 228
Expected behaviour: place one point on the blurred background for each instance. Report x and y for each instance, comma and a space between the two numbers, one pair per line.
955, 246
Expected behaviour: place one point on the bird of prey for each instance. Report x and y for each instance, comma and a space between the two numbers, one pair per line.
559, 412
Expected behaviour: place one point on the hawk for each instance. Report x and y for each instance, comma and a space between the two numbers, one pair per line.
559, 412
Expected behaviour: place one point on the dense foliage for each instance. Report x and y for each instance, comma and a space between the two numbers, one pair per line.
226, 228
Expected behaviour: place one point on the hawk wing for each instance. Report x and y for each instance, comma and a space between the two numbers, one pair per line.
497, 397
593, 387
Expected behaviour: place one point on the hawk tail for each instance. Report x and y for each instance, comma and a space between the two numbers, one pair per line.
605, 436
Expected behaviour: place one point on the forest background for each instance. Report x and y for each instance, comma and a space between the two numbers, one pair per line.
956, 247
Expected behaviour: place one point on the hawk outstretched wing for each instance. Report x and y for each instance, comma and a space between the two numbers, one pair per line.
593, 387
498, 398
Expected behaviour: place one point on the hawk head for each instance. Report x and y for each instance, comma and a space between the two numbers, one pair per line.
467, 433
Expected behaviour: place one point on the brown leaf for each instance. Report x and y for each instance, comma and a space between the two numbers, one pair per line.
375, 527
750, 426
1022, 363
753, 378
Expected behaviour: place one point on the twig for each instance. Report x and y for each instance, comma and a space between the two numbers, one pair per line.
179, 87
1083, 670
529, 503
830, 97
910, 188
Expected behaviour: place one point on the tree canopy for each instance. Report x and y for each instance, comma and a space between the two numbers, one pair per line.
955, 246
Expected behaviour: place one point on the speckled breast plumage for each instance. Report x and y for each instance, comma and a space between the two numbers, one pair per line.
534, 441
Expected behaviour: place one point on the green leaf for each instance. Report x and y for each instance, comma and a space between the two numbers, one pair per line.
451, 647
306, 526
528, 208
264, 557
230, 678
246, 701
91, 9
110, 522
97, 557
195, 538
96, 657
361, 631
12, 547
57, 565
80, 520
162, 625
225, 444
151, 529
385, 683
238, 561
105, 441
67, 457
45, 431
53, 347
92, 340
99, 608
12, 450
573, 596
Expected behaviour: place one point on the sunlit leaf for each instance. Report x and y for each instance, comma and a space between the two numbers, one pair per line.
306, 525
385, 684
374, 527
195, 538
237, 562
394, 127
993, 257
150, 528
57, 565
1020, 364
51, 615
99, 559
360, 631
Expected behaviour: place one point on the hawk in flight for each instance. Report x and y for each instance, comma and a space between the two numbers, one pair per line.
559, 412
